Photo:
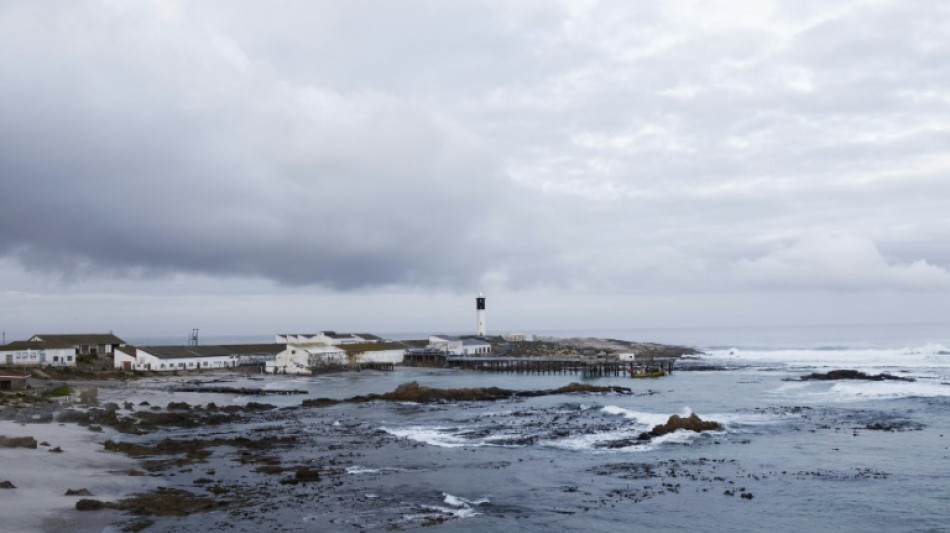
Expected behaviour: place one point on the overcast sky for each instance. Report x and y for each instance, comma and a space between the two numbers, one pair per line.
258, 167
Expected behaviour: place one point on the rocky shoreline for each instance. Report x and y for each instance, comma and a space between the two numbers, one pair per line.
253, 440
214, 464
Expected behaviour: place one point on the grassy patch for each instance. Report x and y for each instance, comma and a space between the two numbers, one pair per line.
62, 390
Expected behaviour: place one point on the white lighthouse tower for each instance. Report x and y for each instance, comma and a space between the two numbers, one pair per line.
480, 314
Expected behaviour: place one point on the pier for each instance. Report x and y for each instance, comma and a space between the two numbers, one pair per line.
585, 367
424, 357
359, 367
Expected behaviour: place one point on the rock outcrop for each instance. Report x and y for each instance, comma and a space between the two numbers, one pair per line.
675, 422
852, 374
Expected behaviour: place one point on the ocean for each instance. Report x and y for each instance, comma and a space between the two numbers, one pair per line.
793, 455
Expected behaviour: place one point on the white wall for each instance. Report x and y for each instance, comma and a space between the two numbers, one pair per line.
147, 361
453, 347
298, 359
395, 356
44, 357
476, 349
120, 357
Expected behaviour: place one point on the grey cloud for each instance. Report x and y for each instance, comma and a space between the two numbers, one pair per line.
613, 145
147, 160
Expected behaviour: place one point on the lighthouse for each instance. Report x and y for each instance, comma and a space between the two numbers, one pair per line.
480, 315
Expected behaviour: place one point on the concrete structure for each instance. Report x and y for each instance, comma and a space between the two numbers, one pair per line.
331, 338
516, 337
174, 358
306, 358
627, 356
452, 345
374, 352
12, 382
480, 315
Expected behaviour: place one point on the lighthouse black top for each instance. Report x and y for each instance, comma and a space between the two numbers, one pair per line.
480, 303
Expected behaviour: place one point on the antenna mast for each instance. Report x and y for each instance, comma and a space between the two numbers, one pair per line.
193, 338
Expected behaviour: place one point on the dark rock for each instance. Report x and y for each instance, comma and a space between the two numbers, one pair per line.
255, 406
307, 474
72, 416
7, 485
89, 505
851, 374
675, 422
165, 502
78, 492
413, 392
17, 442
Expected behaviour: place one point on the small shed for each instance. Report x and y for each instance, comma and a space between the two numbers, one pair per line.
12, 382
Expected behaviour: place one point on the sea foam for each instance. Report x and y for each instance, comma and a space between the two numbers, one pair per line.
933, 357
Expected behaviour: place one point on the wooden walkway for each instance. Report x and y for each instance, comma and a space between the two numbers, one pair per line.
585, 367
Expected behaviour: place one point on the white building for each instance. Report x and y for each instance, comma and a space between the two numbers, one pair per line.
173, 358
57, 350
452, 345
305, 358
27, 353
627, 356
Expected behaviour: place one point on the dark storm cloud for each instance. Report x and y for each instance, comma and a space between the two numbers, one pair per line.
139, 145
606, 145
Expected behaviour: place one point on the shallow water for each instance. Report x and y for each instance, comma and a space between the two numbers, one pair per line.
793, 455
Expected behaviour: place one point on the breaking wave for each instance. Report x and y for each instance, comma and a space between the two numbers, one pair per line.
926, 358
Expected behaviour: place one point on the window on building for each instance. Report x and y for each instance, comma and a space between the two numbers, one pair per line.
55, 358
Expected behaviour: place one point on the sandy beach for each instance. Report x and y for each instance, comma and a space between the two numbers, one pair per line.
70, 456
42, 477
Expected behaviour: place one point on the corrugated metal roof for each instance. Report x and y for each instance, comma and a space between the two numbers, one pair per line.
185, 352
188, 352
27, 345
254, 349
76, 339
475, 342
372, 347
128, 350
